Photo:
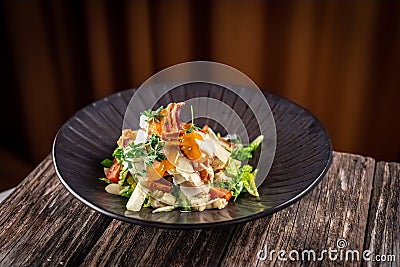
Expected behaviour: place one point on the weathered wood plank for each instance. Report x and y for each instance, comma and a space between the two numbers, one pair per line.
187, 248
42, 224
383, 233
124, 244
337, 208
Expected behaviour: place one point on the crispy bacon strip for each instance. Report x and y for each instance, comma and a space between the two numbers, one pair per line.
172, 123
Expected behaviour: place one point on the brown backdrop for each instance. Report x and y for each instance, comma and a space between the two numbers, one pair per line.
339, 59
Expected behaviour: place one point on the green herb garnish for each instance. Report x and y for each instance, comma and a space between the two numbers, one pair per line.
153, 116
107, 163
150, 152
154, 147
136, 151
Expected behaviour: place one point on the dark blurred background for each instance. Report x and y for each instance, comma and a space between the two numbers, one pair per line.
339, 59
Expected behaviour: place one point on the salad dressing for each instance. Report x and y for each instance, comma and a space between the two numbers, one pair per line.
188, 144
164, 166
157, 171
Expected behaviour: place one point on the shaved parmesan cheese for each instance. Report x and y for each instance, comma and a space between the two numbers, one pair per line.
207, 146
141, 137
178, 179
220, 152
192, 191
113, 189
195, 179
143, 121
136, 200
184, 165
168, 199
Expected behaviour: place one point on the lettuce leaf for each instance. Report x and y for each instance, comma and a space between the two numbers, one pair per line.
245, 182
242, 152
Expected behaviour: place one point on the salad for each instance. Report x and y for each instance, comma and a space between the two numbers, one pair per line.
167, 164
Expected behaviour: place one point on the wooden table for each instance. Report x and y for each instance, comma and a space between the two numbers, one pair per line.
354, 208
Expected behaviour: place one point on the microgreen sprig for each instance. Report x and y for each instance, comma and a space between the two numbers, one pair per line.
154, 145
192, 125
153, 116
150, 152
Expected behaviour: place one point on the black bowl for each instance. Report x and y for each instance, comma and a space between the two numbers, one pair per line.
303, 156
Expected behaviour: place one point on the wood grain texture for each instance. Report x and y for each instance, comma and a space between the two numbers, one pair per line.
124, 244
383, 233
336, 208
42, 224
